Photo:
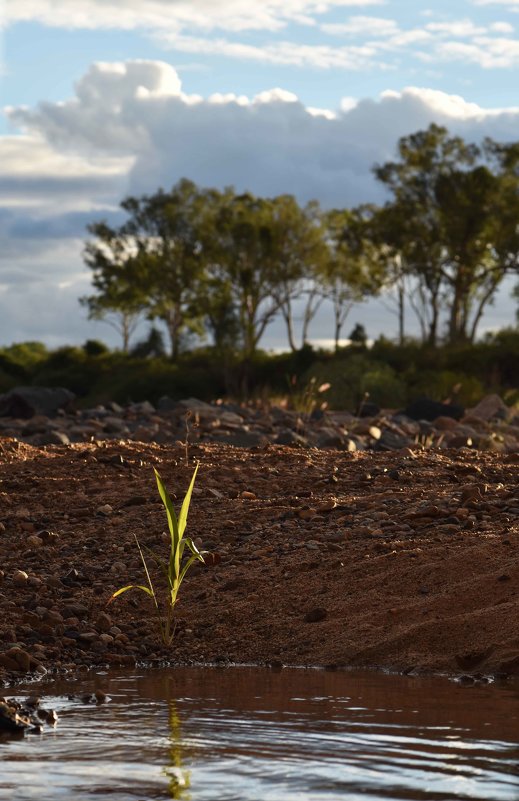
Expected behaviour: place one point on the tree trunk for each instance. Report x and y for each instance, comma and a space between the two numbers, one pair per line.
286, 311
401, 313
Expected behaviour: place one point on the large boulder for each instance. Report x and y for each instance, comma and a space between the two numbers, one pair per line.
27, 402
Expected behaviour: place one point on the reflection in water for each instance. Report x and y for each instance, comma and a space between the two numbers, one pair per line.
245, 734
179, 779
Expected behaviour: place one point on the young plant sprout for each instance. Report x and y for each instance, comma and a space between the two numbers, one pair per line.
173, 568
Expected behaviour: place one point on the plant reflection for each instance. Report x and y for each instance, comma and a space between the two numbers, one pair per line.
179, 779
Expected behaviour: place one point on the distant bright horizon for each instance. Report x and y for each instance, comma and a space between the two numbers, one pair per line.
102, 99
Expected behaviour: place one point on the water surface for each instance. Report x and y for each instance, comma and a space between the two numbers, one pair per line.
247, 734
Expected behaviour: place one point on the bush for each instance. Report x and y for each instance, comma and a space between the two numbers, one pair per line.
446, 385
354, 376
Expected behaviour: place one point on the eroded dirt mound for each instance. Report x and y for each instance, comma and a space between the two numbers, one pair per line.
405, 560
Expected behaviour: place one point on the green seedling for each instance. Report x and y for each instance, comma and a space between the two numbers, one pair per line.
174, 568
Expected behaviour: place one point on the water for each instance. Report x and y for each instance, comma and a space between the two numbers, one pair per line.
241, 734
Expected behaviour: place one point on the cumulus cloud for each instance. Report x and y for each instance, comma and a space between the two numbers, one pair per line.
131, 128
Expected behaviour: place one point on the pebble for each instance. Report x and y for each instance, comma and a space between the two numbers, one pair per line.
316, 615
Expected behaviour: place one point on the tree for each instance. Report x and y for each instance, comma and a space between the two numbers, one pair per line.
299, 247
167, 228
358, 334
453, 221
242, 256
118, 301
351, 272
150, 347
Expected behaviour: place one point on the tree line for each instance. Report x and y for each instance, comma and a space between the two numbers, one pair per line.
223, 264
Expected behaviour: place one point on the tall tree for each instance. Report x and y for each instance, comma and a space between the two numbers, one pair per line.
351, 272
167, 228
451, 214
112, 258
299, 247
243, 257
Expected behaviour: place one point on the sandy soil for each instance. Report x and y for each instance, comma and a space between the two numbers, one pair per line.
404, 560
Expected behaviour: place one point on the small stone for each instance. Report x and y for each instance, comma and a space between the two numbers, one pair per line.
104, 622
20, 577
251, 496
34, 541
105, 510
327, 506
316, 615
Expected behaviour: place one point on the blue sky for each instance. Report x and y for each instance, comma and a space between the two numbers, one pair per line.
102, 97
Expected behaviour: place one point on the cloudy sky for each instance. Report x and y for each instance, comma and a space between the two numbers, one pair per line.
104, 98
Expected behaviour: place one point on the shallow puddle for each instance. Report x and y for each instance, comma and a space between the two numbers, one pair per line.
246, 734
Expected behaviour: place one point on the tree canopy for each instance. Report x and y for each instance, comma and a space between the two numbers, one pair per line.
207, 262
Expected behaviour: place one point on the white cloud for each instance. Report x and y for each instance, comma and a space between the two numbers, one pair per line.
502, 27
131, 128
512, 4
487, 52
353, 57
231, 15
367, 27
459, 28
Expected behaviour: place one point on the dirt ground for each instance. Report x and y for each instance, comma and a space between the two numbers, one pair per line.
406, 560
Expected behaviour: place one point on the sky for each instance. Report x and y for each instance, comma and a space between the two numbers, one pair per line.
105, 98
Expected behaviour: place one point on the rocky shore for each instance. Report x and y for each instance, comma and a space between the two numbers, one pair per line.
390, 553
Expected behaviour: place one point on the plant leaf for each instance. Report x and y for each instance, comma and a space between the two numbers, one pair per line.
182, 518
151, 590
194, 550
130, 587
168, 504
190, 561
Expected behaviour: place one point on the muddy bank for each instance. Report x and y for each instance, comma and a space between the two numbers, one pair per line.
408, 560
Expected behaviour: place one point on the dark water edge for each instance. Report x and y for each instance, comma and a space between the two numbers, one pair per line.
253, 734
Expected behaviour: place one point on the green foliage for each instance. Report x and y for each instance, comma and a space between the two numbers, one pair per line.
151, 346
446, 385
451, 227
352, 375
94, 347
174, 568
358, 335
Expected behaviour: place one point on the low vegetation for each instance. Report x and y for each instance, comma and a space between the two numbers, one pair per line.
390, 374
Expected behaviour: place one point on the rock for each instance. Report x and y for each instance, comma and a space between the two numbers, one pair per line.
115, 425
316, 615
104, 622
291, 438
26, 402
20, 577
241, 439
143, 408
492, 407
368, 409
329, 438
428, 409
445, 423
390, 441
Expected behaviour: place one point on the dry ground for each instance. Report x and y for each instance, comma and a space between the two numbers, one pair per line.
402, 560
